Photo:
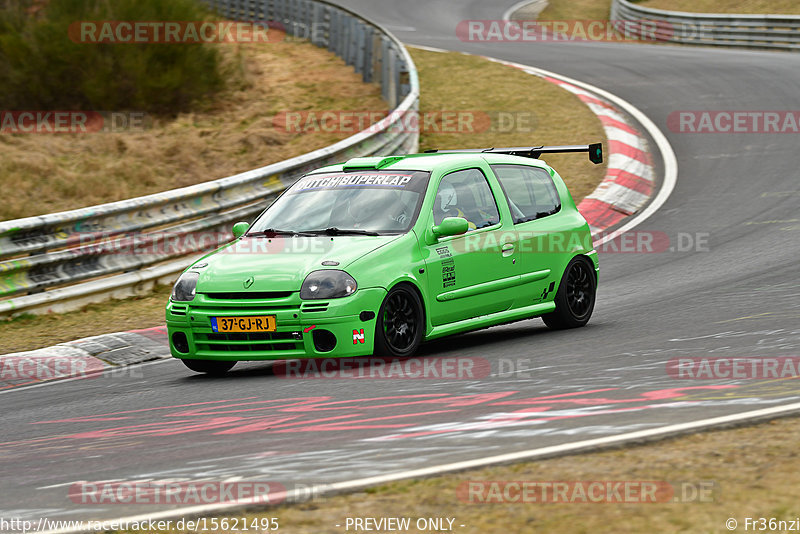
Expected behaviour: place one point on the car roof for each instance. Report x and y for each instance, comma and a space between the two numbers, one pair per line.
429, 162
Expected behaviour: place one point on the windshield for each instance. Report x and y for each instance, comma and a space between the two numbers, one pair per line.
379, 202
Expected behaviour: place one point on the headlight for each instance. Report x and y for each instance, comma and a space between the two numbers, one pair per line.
327, 284
183, 291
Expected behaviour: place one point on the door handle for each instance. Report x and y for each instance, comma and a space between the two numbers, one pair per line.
507, 249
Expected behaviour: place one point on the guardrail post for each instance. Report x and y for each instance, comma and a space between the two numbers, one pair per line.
377, 49
392, 78
318, 26
359, 52
347, 44
385, 69
367, 47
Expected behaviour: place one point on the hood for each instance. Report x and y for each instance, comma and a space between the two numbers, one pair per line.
280, 263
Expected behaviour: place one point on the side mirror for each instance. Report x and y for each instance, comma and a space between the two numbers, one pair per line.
239, 229
451, 226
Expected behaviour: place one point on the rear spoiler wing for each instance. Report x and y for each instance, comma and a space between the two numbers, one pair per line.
595, 151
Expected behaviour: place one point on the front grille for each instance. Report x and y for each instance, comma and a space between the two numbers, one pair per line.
253, 347
247, 341
178, 310
248, 336
254, 295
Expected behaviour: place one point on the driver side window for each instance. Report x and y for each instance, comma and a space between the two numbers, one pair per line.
466, 194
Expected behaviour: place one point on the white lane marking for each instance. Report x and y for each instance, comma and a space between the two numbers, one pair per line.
532, 454
60, 485
396, 28
428, 48
577, 90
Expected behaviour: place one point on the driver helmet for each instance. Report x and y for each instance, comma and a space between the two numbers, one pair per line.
362, 207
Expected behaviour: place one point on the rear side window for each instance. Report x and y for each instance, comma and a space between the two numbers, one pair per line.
530, 191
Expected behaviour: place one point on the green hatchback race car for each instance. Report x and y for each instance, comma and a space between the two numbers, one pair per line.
377, 255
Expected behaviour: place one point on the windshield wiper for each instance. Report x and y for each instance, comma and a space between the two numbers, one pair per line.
343, 231
272, 232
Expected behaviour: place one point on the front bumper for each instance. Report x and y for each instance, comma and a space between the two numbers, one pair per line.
296, 322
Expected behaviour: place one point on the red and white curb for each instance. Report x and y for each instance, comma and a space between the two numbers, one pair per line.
629, 181
628, 184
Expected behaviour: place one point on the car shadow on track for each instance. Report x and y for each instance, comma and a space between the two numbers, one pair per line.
480, 345
483, 339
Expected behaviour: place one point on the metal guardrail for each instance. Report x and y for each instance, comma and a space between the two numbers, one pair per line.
132, 237
770, 32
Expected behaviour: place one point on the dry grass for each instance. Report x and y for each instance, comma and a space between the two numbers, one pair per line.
547, 115
235, 133
576, 10
773, 7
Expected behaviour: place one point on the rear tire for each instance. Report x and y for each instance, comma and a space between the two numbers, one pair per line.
400, 325
575, 296
209, 367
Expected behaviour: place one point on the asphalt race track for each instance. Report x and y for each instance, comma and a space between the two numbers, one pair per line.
734, 295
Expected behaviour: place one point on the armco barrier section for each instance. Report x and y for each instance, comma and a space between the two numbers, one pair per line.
773, 32
152, 238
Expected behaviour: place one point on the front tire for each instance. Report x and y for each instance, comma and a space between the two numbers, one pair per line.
209, 367
575, 296
400, 326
